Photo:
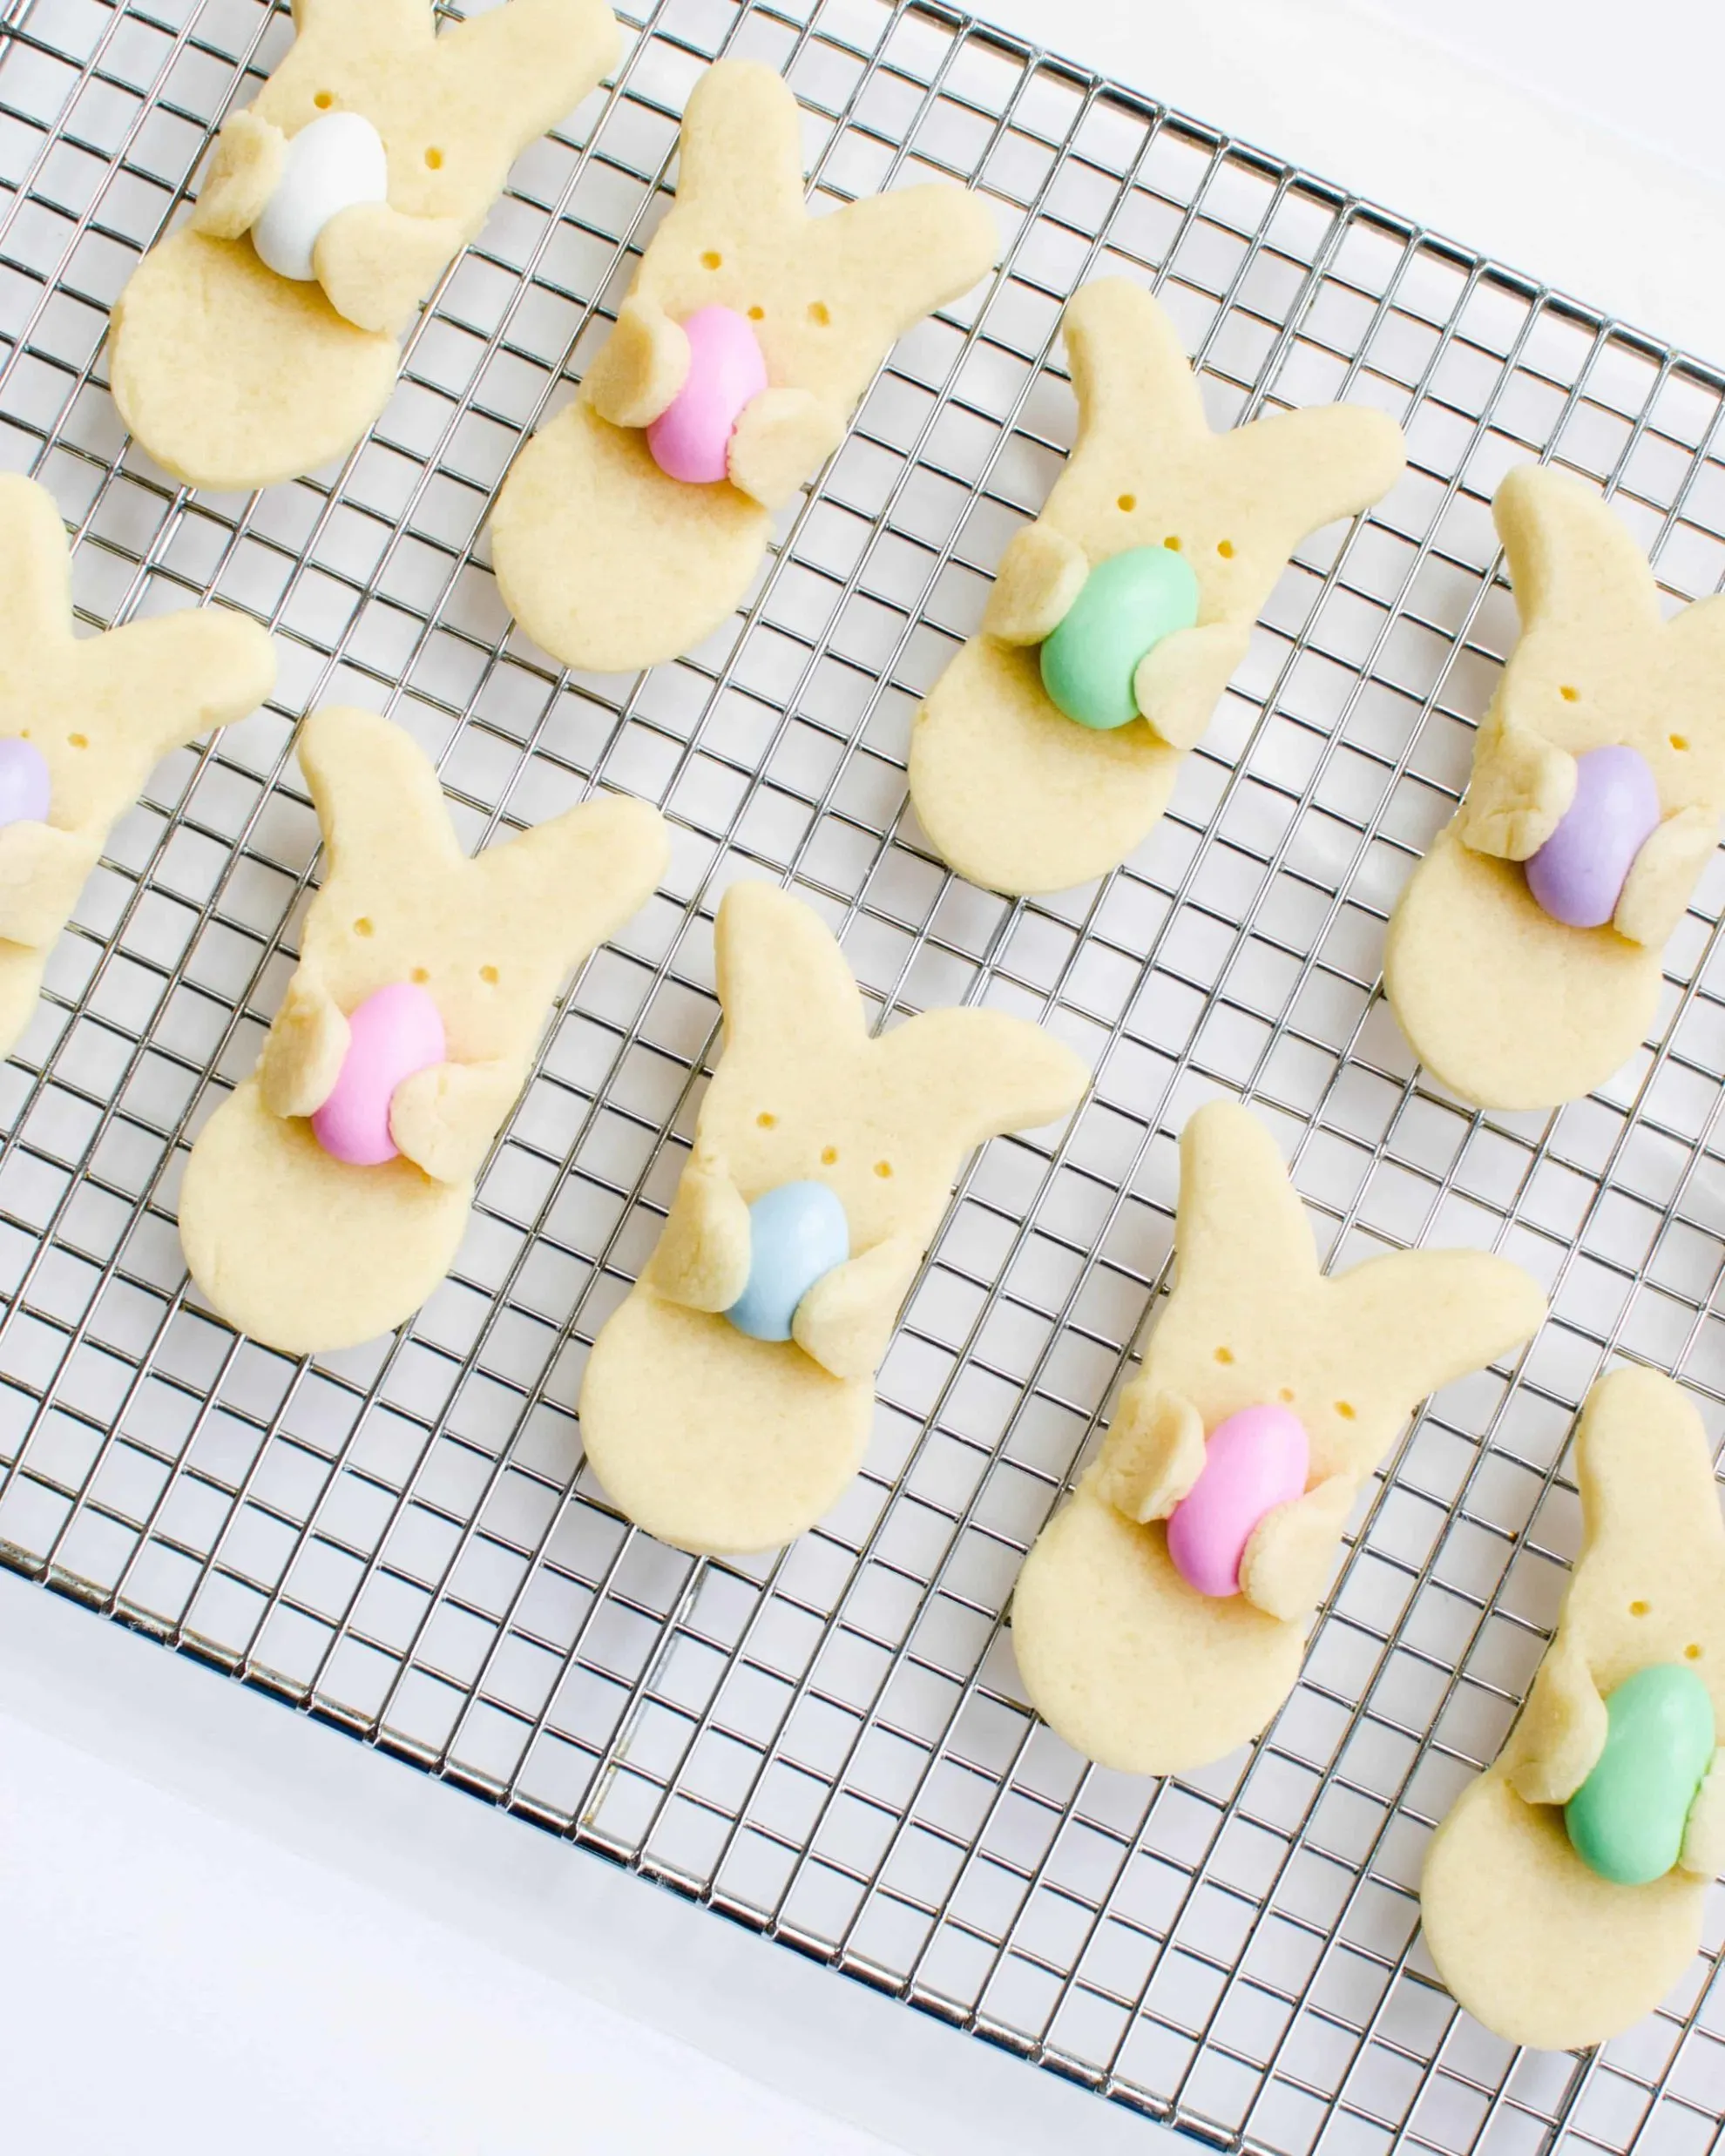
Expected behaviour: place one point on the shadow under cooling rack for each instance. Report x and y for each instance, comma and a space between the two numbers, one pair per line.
832, 1744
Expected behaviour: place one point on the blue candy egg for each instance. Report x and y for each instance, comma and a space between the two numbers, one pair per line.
797, 1232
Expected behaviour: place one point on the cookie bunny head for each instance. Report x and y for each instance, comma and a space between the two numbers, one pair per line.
827, 295
1147, 471
490, 938
101, 711
1596, 664
454, 110
1252, 1323
804, 1092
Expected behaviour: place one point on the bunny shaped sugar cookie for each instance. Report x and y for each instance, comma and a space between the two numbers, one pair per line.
82, 720
1524, 957
1048, 747
727, 1400
1563, 1894
261, 340
326, 1196
1161, 1617
633, 521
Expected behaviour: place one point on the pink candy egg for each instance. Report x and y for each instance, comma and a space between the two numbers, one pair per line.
1253, 1462
393, 1033
691, 436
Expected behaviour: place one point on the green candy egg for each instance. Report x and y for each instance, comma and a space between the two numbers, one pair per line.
1127, 603
1626, 1820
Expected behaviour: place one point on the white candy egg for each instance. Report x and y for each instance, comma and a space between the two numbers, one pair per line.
337, 161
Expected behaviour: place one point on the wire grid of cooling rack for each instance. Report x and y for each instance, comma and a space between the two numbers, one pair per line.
831, 1744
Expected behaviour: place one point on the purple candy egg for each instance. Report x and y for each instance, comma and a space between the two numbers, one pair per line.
25, 789
1579, 873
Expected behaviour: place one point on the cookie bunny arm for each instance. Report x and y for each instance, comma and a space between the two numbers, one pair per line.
783, 438
1286, 1565
1180, 680
701, 1259
1563, 1727
641, 367
1663, 879
1152, 1454
983, 1072
305, 1048
1520, 791
1040, 576
845, 1322
1303, 469
918, 247
375, 263
446, 1117
531, 58
244, 173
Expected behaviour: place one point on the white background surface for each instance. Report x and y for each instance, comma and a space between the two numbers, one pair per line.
176, 1980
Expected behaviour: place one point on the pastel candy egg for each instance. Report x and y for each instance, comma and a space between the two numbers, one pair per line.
1579, 873
1253, 1461
393, 1033
337, 161
25, 790
1626, 1821
797, 1232
691, 438
1126, 605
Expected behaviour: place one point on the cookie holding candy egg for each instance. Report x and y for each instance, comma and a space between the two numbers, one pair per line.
1524, 956
632, 523
326, 1196
1048, 746
1161, 1619
262, 338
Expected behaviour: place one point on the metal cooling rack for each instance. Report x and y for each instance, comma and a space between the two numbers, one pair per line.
832, 1745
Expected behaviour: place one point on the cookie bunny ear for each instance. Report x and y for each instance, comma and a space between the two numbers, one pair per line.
174, 677
1428, 1317
375, 793
918, 247
1569, 556
983, 1071
1239, 1218
1646, 1473
781, 977
1130, 372
517, 61
35, 566
1312, 466
740, 151
564, 885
